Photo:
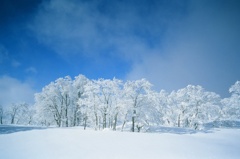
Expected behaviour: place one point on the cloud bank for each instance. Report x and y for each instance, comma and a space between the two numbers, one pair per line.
170, 43
14, 91
203, 49
126, 29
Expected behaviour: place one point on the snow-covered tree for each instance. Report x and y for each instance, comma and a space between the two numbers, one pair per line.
136, 95
79, 92
192, 106
48, 105
235, 89
158, 102
17, 113
232, 104
28, 114
109, 103
13, 111
54, 102
64, 87
102, 98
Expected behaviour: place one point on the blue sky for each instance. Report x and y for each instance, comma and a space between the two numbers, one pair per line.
171, 43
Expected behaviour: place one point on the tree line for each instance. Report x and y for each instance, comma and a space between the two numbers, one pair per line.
118, 105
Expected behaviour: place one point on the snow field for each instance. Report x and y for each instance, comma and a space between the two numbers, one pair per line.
75, 143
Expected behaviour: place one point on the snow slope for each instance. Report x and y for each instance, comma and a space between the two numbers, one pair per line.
74, 143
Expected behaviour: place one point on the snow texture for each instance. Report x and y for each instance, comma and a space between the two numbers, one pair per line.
21, 142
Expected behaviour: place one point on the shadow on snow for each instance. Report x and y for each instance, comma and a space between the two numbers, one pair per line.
207, 128
176, 130
8, 129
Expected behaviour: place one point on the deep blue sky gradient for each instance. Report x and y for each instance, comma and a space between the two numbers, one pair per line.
170, 43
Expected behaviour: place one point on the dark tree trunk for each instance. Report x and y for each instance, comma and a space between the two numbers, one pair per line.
104, 119
30, 120
179, 118
85, 122
12, 119
66, 114
139, 128
133, 121
66, 110
1, 120
1, 115
75, 116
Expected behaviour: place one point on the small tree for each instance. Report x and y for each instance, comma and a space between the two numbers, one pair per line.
17, 111
13, 111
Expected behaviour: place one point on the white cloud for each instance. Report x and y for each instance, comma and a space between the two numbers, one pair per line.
78, 27
14, 91
202, 49
15, 63
31, 70
170, 43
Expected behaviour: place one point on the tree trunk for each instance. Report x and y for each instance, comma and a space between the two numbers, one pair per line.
96, 121
133, 121
66, 114
195, 126
133, 124
115, 122
179, 118
66, 110
99, 121
57, 119
12, 119
104, 119
75, 116
30, 120
139, 128
85, 122
125, 119
109, 122
1, 115
1, 120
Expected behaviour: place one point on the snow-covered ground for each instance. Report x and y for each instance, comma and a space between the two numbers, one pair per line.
75, 143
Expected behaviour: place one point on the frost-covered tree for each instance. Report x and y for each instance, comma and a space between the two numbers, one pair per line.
111, 103
118, 108
54, 102
48, 105
104, 95
102, 98
192, 106
64, 87
136, 96
79, 92
235, 89
232, 104
158, 102
13, 111
17, 112
89, 106
28, 113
